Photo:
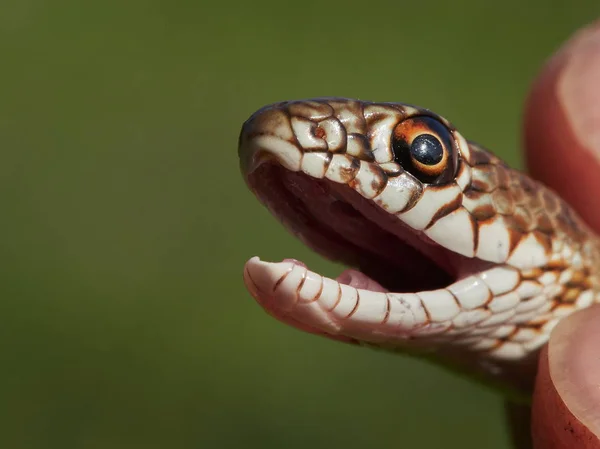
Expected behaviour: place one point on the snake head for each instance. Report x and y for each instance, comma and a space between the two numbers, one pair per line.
447, 245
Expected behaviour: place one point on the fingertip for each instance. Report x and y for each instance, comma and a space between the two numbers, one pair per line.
566, 404
562, 123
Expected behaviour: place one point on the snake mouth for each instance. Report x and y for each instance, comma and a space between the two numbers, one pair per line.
335, 221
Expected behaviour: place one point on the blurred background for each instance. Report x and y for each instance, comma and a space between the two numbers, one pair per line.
125, 225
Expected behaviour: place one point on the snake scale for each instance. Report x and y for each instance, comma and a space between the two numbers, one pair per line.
454, 255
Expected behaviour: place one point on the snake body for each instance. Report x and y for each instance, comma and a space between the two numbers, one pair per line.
461, 257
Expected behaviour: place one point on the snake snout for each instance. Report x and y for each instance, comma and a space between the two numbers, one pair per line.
290, 130
268, 135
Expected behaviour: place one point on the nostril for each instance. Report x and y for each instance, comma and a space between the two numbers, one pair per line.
308, 135
320, 132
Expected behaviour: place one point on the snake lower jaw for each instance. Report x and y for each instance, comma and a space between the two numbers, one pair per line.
357, 310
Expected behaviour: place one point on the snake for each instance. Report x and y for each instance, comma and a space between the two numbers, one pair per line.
451, 254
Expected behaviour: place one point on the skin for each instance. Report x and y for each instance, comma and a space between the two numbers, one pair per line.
562, 149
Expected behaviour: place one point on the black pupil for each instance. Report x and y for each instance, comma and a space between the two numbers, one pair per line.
427, 149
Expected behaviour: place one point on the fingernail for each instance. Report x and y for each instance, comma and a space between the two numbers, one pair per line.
578, 86
574, 362
566, 408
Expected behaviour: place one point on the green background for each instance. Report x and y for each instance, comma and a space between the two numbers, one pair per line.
125, 224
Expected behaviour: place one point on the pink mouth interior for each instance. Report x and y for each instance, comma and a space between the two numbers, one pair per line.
334, 220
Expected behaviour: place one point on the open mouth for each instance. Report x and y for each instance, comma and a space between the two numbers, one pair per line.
341, 225
384, 255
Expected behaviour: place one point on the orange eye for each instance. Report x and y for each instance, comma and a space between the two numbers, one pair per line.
424, 147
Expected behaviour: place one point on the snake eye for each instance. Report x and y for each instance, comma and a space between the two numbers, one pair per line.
424, 147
